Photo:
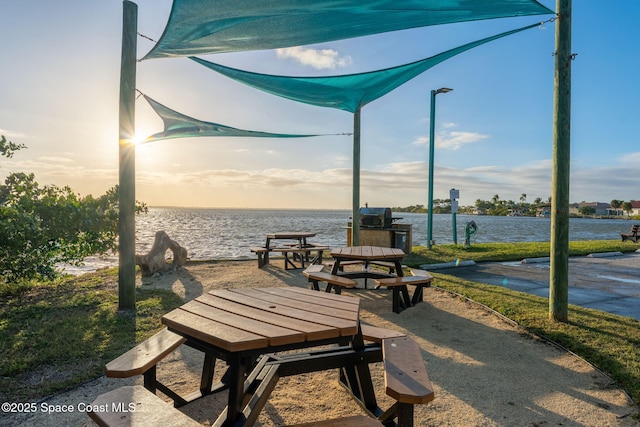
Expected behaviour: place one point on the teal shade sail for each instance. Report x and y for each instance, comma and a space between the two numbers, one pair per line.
198, 27
345, 92
177, 125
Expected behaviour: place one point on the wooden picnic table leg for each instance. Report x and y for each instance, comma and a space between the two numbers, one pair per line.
208, 369
266, 254
237, 371
399, 272
336, 266
357, 377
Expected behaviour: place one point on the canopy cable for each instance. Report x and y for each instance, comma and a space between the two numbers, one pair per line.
147, 37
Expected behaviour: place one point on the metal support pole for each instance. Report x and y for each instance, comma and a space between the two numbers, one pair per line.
355, 207
432, 144
559, 271
455, 230
126, 190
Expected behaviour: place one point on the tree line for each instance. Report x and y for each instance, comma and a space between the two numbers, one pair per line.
499, 207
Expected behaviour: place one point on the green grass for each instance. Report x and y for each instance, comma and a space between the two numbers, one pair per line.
509, 251
68, 330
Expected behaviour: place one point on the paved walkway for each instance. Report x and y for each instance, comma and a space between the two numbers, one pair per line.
607, 283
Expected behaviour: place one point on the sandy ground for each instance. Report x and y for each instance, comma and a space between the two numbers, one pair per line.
485, 371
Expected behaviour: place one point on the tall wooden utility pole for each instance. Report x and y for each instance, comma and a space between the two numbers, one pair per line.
127, 160
559, 272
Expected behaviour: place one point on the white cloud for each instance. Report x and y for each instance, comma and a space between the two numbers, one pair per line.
452, 140
631, 158
316, 58
54, 159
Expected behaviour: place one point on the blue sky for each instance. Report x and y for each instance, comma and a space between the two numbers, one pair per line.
60, 80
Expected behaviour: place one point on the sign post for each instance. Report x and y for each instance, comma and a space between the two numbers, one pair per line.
454, 195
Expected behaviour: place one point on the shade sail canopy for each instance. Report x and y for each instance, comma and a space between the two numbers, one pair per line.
346, 92
197, 27
177, 125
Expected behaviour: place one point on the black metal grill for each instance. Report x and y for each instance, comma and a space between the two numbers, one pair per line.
376, 218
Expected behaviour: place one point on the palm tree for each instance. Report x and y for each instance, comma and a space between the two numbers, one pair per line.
615, 204
523, 198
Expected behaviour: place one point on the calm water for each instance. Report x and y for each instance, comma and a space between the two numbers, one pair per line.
228, 233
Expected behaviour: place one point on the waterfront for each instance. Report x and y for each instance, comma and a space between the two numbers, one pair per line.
229, 233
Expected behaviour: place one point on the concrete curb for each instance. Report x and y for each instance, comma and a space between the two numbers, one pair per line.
452, 264
604, 254
535, 260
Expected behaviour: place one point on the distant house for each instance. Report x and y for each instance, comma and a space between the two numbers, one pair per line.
480, 211
635, 209
600, 208
543, 211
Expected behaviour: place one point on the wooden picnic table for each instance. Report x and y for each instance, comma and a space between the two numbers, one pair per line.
241, 326
299, 250
367, 255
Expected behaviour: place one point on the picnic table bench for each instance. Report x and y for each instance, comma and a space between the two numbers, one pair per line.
144, 358
400, 293
632, 235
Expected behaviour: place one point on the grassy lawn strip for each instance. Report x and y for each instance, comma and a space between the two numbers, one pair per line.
55, 336
609, 342
509, 251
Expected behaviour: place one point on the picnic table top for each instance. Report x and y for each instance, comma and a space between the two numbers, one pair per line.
290, 235
251, 318
367, 253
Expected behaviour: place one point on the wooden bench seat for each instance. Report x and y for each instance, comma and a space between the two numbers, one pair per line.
136, 406
400, 293
260, 251
405, 379
333, 282
143, 358
376, 334
632, 235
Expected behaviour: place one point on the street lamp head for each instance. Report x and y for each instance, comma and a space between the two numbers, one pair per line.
442, 90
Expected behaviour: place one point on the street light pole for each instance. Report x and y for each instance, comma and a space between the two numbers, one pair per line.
432, 144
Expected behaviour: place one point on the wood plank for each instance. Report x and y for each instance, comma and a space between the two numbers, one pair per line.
376, 334
314, 303
214, 333
338, 298
405, 375
312, 331
148, 409
276, 335
139, 359
345, 327
322, 276
421, 273
405, 280
343, 302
